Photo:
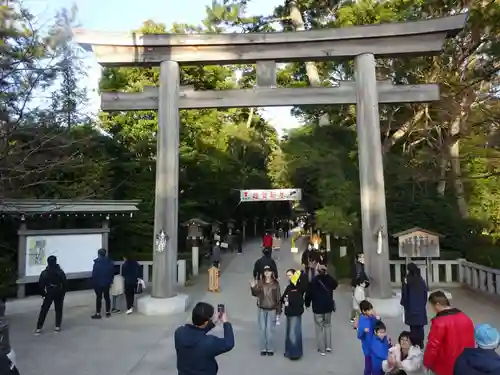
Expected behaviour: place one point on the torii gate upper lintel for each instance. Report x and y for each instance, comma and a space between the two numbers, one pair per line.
363, 43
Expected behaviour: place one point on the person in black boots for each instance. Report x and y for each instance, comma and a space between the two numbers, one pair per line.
131, 271
293, 301
102, 278
52, 284
414, 302
239, 241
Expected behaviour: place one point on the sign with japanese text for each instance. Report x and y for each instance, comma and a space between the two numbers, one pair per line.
270, 195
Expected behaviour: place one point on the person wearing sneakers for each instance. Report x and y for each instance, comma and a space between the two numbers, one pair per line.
102, 278
52, 284
483, 359
320, 295
131, 272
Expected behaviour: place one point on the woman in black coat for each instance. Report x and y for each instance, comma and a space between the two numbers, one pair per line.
414, 302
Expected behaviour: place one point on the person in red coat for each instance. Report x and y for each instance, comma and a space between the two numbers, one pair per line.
451, 332
267, 241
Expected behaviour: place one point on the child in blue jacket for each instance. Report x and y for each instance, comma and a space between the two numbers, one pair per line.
379, 348
366, 325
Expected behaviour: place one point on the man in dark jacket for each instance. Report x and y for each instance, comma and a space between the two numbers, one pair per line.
451, 332
52, 285
265, 260
102, 278
320, 295
196, 351
482, 360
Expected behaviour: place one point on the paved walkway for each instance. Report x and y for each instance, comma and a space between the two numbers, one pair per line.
140, 345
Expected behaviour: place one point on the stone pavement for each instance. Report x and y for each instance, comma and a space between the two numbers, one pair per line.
140, 345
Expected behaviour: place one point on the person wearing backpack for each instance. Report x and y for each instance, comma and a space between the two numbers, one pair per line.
52, 285
320, 295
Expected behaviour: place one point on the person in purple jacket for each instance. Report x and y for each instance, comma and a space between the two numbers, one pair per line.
366, 325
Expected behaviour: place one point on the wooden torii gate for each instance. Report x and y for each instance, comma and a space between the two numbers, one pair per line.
363, 43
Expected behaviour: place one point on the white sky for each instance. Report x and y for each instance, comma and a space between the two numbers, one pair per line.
125, 15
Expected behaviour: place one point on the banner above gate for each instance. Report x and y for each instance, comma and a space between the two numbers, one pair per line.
270, 195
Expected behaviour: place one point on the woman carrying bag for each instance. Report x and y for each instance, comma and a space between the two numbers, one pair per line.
131, 272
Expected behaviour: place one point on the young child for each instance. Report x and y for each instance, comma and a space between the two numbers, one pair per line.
379, 348
482, 360
357, 297
365, 331
116, 292
405, 357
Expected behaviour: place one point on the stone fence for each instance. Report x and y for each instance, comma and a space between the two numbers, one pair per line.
449, 273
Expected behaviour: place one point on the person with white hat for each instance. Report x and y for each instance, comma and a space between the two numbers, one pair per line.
482, 360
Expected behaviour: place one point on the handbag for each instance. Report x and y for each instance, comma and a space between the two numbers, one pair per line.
140, 286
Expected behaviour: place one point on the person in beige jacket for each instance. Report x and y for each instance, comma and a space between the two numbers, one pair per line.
405, 358
267, 291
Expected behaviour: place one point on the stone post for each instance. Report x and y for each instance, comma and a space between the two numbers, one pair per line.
195, 257
371, 176
167, 183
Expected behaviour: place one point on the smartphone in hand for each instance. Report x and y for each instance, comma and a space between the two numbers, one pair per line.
221, 309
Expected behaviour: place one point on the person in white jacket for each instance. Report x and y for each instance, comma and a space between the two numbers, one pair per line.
116, 292
405, 358
357, 297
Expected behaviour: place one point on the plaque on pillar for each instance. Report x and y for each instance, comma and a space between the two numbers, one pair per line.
161, 241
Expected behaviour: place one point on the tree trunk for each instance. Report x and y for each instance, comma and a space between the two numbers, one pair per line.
250, 117
443, 164
311, 69
456, 169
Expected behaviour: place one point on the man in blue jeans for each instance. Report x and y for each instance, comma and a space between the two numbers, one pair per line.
102, 278
196, 351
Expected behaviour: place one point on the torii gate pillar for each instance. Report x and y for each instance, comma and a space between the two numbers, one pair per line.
371, 177
167, 181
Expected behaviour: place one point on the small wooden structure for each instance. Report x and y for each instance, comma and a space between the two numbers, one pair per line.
73, 247
419, 243
195, 228
214, 279
194, 239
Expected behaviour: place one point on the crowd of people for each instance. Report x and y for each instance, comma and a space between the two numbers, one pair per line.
454, 346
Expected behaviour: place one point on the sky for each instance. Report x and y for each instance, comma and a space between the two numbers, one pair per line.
126, 15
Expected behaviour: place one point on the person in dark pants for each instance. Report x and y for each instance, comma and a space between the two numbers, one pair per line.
414, 302
52, 284
239, 239
102, 278
131, 272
